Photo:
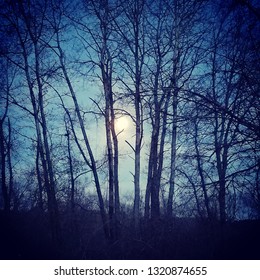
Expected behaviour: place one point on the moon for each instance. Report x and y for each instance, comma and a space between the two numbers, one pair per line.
121, 124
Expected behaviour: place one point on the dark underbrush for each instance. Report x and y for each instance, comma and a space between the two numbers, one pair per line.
27, 236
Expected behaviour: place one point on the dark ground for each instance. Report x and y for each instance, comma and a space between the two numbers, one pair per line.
27, 236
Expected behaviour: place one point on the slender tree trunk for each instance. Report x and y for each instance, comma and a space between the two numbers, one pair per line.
201, 173
258, 187
116, 158
148, 189
110, 174
39, 177
10, 167
138, 132
221, 157
155, 202
5, 155
3, 169
71, 173
173, 152
137, 167
162, 140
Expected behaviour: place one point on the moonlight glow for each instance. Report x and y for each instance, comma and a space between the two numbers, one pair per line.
121, 124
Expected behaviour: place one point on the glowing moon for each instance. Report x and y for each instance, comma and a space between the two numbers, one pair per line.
121, 123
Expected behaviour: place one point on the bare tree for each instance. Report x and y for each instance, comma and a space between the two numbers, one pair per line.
131, 30
227, 106
30, 27
105, 13
56, 21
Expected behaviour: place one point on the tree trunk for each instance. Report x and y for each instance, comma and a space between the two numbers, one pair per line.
138, 138
173, 152
3, 169
39, 176
201, 171
71, 173
9, 161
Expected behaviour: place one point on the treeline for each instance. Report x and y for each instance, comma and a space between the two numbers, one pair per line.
185, 73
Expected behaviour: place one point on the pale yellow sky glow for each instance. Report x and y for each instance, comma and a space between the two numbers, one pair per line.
121, 124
